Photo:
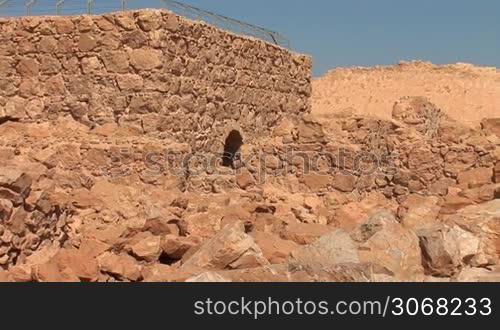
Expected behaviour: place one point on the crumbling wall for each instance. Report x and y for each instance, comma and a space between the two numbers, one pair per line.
465, 92
150, 70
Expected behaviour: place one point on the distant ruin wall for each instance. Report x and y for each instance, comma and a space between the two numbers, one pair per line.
150, 70
464, 92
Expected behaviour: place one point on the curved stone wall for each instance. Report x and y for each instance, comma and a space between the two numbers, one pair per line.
150, 70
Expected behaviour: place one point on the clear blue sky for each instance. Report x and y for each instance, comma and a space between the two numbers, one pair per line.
368, 32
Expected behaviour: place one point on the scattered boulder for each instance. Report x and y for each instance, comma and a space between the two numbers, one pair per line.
329, 250
175, 247
440, 252
146, 246
76, 265
275, 249
304, 233
123, 267
419, 211
230, 248
385, 242
344, 182
483, 221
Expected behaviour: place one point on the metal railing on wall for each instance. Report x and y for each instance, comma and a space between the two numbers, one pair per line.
75, 7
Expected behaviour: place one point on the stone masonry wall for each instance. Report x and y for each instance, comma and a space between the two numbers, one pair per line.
152, 71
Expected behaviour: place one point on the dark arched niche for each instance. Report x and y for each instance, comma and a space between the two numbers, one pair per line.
232, 146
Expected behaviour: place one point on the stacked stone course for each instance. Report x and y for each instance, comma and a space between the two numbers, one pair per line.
151, 70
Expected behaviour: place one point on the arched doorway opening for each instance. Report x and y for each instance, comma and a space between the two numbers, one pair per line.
232, 146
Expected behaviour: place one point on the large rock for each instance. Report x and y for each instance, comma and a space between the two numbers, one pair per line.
304, 233
452, 203
146, 246
349, 216
68, 265
331, 249
230, 248
419, 211
484, 222
385, 242
15, 180
176, 247
124, 267
275, 249
440, 252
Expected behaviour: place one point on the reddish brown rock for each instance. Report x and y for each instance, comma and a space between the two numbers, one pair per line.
484, 222
491, 125
302, 233
452, 203
175, 247
275, 249
245, 179
419, 211
440, 255
146, 246
15, 180
51, 272
122, 266
476, 177
344, 182
383, 241
230, 248
75, 264
336, 247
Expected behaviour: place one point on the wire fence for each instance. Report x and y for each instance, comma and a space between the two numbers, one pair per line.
10, 8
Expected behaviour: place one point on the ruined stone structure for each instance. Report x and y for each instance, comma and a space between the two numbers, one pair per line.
152, 71
102, 120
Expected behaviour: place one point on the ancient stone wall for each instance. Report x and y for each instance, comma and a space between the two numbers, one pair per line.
152, 71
